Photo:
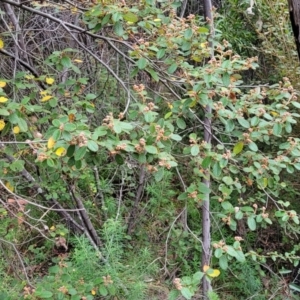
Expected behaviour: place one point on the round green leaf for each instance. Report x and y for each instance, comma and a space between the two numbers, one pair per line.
195, 150
243, 122
151, 149
180, 123
142, 63
251, 223
93, 146
80, 153
238, 147
252, 146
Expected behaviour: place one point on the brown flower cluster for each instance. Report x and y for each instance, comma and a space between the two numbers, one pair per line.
151, 168
164, 163
177, 284
107, 280
108, 121
160, 134
80, 140
140, 147
150, 106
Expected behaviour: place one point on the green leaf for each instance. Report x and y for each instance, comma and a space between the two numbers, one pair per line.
296, 104
93, 146
72, 291
240, 256
202, 188
186, 293
254, 121
203, 30
120, 126
228, 180
45, 294
71, 150
172, 68
50, 163
229, 126
150, 116
226, 79
118, 28
168, 115
4, 112
103, 290
142, 63
151, 149
277, 129
188, 33
119, 159
69, 127
218, 252
227, 205
180, 123
80, 153
206, 162
100, 131
160, 53
243, 122
66, 61
223, 262
183, 196
173, 295
175, 137
153, 74
197, 277
23, 125
130, 17
56, 134
238, 147
78, 164
231, 251
294, 287
17, 165
159, 175
251, 223
195, 150
252, 146
239, 215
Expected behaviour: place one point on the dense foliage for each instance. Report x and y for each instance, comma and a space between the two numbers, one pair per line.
105, 168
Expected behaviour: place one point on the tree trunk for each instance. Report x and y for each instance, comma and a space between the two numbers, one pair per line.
206, 252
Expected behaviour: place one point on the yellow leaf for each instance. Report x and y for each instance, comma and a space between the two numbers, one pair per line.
193, 104
79, 61
211, 272
157, 20
2, 84
52, 228
71, 117
214, 273
9, 186
16, 130
274, 113
203, 45
205, 268
49, 80
93, 292
3, 99
44, 92
60, 151
2, 124
51, 143
1, 44
29, 77
46, 98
